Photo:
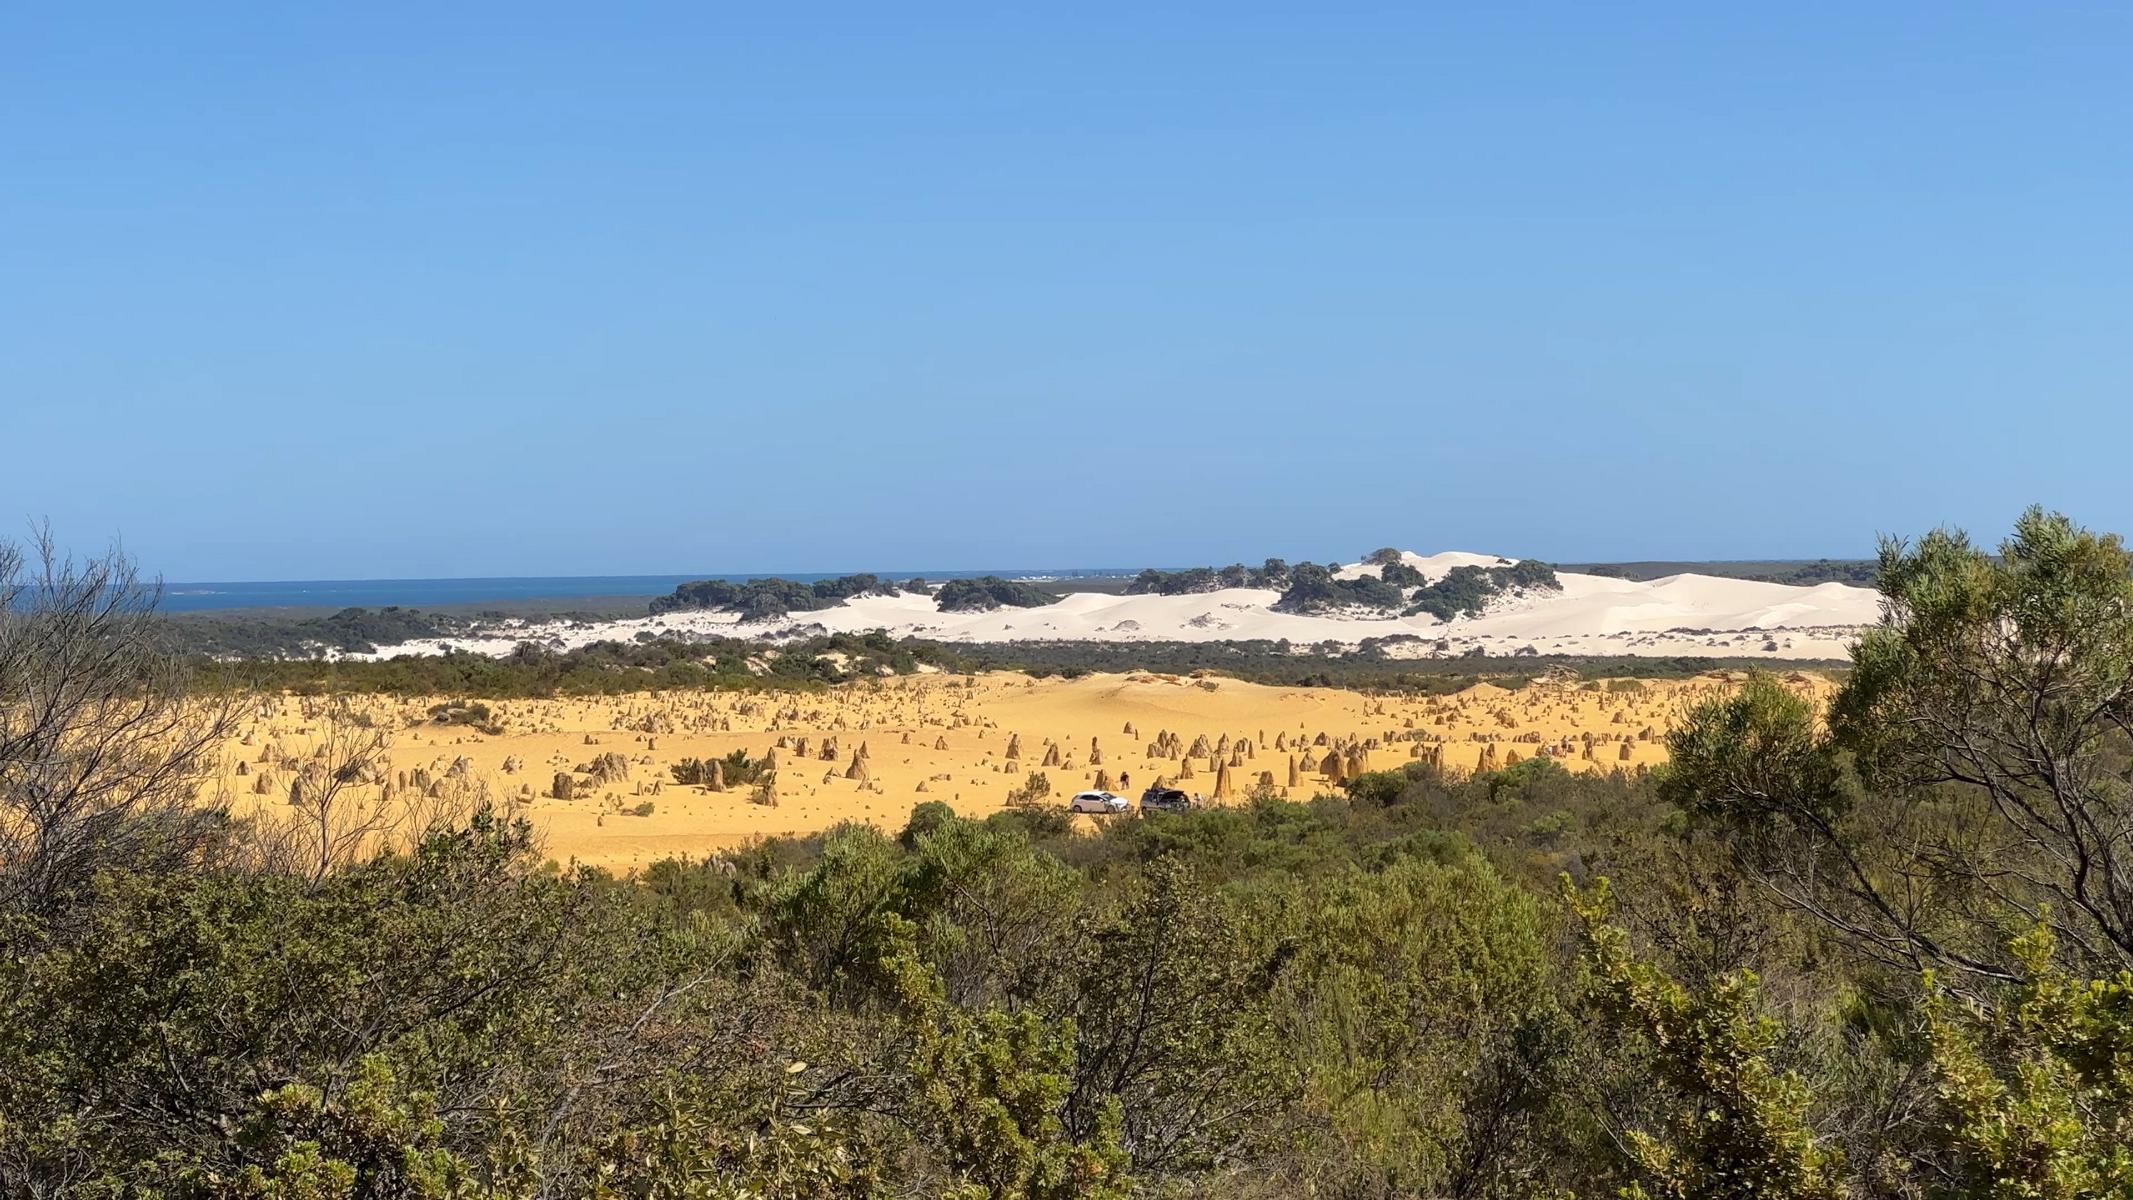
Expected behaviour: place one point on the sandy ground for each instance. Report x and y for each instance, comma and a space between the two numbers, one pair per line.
965, 740
1591, 615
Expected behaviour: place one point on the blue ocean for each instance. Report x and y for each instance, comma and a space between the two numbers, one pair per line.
428, 593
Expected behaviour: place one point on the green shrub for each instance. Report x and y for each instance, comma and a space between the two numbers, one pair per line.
1033, 790
1274, 573
1380, 788
989, 592
1466, 591
1400, 575
1313, 589
769, 599
471, 713
925, 818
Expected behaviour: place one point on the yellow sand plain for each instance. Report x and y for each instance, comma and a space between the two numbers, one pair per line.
948, 738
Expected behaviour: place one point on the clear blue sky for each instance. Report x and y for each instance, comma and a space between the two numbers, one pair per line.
465, 289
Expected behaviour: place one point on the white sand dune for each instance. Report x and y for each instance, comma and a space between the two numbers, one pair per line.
1592, 614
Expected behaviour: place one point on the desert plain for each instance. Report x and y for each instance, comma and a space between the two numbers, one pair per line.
595, 777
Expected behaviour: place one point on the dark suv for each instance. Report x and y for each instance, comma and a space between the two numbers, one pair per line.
1165, 799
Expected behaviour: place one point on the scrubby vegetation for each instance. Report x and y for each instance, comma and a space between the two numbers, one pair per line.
658, 664
734, 770
1314, 589
470, 713
351, 630
1466, 591
1400, 575
1035, 788
1859, 572
989, 592
1398, 587
602, 668
1274, 573
769, 599
1878, 951
1368, 667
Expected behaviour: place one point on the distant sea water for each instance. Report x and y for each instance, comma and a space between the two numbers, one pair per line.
431, 593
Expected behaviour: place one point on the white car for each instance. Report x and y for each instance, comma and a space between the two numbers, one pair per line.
1097, 802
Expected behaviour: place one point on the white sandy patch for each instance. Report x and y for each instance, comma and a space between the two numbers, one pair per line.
1591, 615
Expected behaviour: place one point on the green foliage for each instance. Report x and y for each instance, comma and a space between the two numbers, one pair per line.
1427, 994
471, 713
1745, 760
350, 631
1192, 580
601, 668
1521, 776
1176, 1040
1313, 589
655, 664
991, 1085
2049, 621
1858, 572
1972, 767
925, 818
2037, 1091
969, 888
1400, 575
769, 599
1737, 1126
1035, 788
1038, 823
687, 1146
1466, 591
989, 592
275, 1036
1376, 787
377, 1137
1152, 582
